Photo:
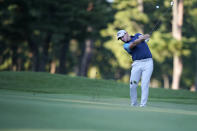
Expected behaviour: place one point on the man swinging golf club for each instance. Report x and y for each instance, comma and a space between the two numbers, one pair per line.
142, 66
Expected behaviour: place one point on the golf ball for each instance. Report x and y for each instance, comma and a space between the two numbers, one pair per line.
157, 6
172, 3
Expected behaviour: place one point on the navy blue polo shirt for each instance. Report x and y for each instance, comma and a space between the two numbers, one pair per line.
140, 51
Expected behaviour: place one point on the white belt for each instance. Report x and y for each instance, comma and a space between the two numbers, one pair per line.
143, 60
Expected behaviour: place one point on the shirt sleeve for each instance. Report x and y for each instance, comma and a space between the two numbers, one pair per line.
126, 47
138, 34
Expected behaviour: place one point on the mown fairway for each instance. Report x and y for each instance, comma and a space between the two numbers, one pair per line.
43, 102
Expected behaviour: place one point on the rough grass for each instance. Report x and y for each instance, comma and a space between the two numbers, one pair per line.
64, 84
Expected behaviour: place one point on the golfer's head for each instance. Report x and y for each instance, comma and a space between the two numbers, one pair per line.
123, 35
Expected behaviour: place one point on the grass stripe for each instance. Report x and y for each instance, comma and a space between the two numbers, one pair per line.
105, 105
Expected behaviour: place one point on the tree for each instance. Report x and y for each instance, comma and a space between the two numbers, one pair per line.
98, 14
177, 34
12, 32
189, 32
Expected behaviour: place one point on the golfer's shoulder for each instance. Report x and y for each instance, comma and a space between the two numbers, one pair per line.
126, 45
137, 34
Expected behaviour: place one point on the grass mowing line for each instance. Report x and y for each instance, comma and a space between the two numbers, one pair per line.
177, 101
107, 105
46, 129
39, 130
27, 129
159, 110
64, 100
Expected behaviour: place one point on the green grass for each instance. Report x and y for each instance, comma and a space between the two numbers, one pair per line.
63, 84
32, 101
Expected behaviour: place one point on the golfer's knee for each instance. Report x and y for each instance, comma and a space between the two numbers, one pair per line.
133, 84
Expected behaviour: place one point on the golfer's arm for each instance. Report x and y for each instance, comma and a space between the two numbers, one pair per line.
138, 41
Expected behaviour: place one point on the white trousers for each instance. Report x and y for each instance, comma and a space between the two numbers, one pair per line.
141, 69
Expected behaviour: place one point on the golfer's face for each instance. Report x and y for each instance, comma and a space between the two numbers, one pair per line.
125, 38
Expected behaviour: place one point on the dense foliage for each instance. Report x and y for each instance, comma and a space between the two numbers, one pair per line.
79, 37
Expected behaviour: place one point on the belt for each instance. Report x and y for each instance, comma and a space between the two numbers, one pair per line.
143, 60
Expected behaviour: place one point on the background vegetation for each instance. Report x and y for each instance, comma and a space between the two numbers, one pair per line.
79, 38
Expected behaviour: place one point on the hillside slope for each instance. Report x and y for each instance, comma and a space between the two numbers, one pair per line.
55, 83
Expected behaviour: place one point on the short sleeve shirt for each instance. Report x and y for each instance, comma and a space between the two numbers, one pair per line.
140, 51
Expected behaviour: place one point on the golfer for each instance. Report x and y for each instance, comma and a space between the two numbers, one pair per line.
142, 66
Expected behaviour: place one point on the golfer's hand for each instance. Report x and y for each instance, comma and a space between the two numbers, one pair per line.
144, 37
141, 36
139, 40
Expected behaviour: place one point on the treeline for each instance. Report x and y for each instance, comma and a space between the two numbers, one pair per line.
35, 35
78, 37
